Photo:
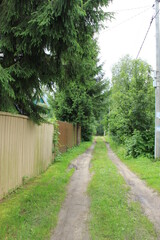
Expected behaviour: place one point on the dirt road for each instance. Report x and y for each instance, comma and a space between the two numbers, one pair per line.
150, 200
73, 217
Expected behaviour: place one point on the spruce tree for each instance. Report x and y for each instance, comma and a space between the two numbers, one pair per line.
82, 100
39, 44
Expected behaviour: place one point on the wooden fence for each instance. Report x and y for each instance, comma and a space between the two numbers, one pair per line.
25, 150
69, 135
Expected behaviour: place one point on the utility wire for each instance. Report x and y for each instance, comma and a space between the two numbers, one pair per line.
147, 33
153, 17
129, 9
128, 19
132, 17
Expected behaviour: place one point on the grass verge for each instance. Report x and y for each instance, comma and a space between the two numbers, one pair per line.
147, 169
113, 215
32, 211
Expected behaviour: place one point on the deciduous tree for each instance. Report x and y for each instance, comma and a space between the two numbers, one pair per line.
131, 118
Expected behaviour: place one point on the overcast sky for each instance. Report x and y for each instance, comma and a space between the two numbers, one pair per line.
126, 33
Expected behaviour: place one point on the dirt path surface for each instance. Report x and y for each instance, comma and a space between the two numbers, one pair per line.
73, 217
150, 200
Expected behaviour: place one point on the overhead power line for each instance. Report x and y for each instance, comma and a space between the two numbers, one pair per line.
132, 17
129, 9
147, 33
127, 20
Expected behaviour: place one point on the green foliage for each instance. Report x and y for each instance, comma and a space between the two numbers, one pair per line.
56, 139
135, 144
76, 104
73, 105
102, 122
131, 117
82, 100
55, 149
6, 91
40, 43
100, 130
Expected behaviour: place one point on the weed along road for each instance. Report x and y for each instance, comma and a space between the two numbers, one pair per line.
73, 217
149, 199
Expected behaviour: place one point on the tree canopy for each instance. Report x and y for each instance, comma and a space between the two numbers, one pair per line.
131, 116
41, 42
82, 100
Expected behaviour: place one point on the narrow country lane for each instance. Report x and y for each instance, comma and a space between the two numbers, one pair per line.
73, 217
149, 199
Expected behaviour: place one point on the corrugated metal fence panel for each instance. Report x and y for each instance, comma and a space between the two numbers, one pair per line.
25, 150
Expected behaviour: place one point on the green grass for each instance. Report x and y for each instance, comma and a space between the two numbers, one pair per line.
113, 215
32, 211
147, 169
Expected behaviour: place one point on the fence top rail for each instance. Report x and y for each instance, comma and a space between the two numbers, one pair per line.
18, 116
13, 115
64, 122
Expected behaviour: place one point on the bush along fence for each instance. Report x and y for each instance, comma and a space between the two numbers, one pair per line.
26, 148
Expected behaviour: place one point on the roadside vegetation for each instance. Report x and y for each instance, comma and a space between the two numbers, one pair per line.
113, 215
129, 116
32, 210
146, 168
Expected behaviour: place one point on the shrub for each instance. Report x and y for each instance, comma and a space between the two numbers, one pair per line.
135, 144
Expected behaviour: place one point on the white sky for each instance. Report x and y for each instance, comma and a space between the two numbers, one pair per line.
126, 33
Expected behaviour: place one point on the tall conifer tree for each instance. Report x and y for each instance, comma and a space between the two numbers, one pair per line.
39, 44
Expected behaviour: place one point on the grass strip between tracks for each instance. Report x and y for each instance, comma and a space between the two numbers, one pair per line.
112, 214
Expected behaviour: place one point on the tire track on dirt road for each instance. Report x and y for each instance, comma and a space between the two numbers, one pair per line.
149, 199
73, 217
